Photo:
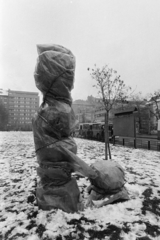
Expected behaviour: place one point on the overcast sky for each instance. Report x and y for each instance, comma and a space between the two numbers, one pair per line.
122, 33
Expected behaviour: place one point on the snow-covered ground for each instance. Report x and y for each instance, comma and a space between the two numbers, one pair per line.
20, 218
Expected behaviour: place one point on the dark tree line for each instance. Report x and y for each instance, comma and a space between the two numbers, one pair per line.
3, 116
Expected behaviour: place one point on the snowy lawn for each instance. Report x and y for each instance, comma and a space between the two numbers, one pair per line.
20, 218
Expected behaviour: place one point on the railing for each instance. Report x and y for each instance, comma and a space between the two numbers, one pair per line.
150, 144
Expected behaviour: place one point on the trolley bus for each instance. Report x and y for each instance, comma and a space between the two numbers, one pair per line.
94, 130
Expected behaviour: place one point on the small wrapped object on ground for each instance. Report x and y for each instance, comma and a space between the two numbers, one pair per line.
52, 127
108, 185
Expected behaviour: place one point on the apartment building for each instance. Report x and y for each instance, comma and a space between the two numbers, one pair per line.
21, 106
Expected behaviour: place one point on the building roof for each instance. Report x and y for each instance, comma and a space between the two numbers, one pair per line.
22, 92
7, 92
126, 111
3, 92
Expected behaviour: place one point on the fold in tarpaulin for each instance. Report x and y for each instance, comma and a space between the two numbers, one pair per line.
53, 125
54, 122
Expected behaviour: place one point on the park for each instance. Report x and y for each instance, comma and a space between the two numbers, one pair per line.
20, 218
55, 186
76, 169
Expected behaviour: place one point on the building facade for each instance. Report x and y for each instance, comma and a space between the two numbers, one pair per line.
155, 112
92, 110
153, 106
21, 107
100, 111
84, 111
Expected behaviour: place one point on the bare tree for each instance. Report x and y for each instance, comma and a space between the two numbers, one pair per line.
153, 100
112, 91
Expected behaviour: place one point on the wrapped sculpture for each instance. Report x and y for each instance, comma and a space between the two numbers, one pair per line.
52, 127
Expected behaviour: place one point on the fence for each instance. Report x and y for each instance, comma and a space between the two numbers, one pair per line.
150, 144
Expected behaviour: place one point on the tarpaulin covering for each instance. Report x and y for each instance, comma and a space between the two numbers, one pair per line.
52, 127
109, 182
54, 73
111, 176
56, 150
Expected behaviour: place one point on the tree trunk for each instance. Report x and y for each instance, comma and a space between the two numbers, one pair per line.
107, 146
105, 132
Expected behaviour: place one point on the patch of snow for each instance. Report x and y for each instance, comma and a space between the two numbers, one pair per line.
21, 218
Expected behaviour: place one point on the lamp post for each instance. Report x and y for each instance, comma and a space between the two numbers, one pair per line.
158, 130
